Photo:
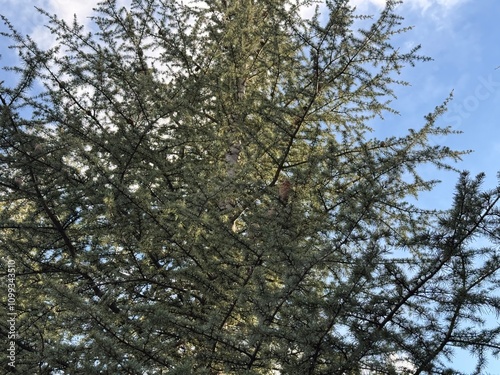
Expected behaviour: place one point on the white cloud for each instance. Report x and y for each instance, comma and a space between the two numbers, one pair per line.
27, 20
66, 9
366, 4
27, 17
422, 5
308, 11
441, 14
438, 9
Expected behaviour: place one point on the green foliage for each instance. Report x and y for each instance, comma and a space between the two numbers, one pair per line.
196, 189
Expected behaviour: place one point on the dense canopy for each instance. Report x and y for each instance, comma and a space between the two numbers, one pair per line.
194, 188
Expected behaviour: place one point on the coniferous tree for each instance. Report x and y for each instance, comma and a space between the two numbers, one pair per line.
195, 189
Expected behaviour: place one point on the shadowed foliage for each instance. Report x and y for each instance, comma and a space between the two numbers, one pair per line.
194, 188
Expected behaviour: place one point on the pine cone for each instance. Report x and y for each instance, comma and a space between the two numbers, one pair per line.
284, 189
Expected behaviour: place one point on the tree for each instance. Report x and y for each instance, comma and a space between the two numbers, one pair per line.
196, 189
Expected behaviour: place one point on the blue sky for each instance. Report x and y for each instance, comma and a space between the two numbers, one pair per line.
460, 35
462, 38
